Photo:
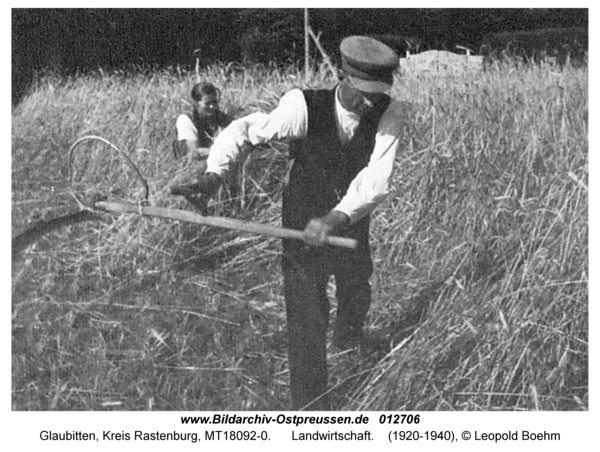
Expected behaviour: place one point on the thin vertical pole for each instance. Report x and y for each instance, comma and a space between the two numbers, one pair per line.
306, 45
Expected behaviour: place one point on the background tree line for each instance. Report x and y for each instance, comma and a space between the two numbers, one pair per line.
70, 40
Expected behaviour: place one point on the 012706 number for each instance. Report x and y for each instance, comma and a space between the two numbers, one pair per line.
399, 419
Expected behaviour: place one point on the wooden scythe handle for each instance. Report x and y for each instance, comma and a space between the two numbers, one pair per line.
228, 223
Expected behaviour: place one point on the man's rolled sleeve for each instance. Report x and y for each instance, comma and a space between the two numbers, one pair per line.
287, 120
372, 185
227, 147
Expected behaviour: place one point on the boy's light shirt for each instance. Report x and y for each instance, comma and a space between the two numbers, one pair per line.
186, 130
290, 121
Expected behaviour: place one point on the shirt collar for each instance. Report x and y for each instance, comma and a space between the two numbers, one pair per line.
341, 111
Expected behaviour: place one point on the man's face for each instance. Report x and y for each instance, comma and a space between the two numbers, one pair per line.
208, 105
357, 101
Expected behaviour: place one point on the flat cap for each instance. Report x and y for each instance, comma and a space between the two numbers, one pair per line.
368, 63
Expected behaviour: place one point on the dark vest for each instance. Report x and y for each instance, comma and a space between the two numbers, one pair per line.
323, 168
207, 131
209, 127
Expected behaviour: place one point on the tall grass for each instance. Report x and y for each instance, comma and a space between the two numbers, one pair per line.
480, 252
490, 243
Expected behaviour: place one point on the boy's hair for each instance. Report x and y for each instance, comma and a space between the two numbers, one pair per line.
200, 90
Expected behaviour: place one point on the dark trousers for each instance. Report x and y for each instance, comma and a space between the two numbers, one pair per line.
306, 272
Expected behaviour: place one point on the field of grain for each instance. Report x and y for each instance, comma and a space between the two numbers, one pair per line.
481, 251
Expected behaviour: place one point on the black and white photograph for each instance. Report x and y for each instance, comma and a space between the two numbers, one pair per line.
269, 211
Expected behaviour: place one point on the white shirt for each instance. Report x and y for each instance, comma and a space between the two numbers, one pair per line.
289, 120
186, 130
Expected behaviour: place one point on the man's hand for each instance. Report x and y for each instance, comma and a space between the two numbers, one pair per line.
318, 229
207, 185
